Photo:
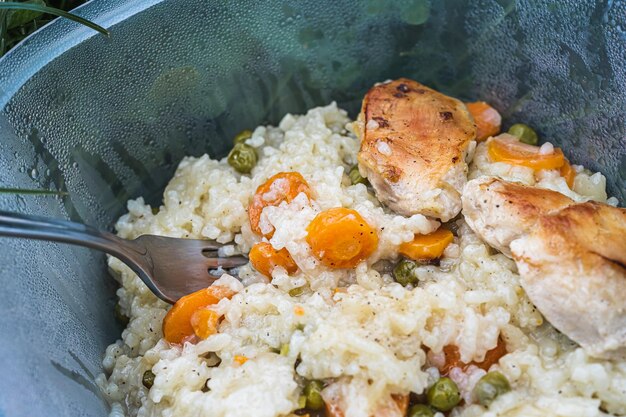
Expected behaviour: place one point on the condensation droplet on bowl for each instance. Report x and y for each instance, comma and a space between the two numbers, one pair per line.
21, 203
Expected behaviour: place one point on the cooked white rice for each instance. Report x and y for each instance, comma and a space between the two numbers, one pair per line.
374, 336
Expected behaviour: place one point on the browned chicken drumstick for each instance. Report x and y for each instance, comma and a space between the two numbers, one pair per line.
414, 141
571, 257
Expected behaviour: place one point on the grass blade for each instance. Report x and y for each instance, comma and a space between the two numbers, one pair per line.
4, 22
52, 11
24, 191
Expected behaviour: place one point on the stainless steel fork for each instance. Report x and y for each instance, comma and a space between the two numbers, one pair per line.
170, 267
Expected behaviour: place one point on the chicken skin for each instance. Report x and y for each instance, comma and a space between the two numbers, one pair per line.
501, 211
571, 257
414, 141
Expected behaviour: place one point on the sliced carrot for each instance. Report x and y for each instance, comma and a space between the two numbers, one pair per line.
333, 409
402, 403
514, 152
284, 186
341, 238
487, 119
568, 173
204, 322
177, 322
240, 359
453, 358
264, 258
430, 246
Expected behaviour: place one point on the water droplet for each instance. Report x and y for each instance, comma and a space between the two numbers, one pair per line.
21, 203
33, 173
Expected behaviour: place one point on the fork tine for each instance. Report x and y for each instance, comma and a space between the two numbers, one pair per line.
226, 263
210, 245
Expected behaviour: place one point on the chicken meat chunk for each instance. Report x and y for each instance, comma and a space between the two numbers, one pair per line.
571, 257
414, 143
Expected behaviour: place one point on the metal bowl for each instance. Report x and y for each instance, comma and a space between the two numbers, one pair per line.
108, 119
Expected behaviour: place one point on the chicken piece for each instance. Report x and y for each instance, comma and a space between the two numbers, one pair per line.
573, 268
337, 402
414, 141
500, 211
571, 257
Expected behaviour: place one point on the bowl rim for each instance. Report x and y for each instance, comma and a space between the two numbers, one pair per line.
57, 37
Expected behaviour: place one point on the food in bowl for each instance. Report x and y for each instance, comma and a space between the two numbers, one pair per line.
417, 306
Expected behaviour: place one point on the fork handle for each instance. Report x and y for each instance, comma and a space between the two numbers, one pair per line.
42, 228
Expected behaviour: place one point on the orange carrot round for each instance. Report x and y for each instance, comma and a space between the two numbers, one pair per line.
487, 119
264, 258
514, 152
453, 358
205, 322
284, 186
341, 238
430, 246
177, 322
401, 401
568, 173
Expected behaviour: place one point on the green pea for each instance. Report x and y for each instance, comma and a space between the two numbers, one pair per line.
313, 394
355, 176
121, 317
404, 272
420, 410
301, 402
148, 379
242, 136
243, 158
525, 133
444, 395
295, 292
490, 386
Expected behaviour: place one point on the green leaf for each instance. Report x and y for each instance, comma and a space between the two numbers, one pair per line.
52, 11
31, 192
19, 18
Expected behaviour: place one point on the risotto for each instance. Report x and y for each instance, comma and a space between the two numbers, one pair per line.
368, 340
